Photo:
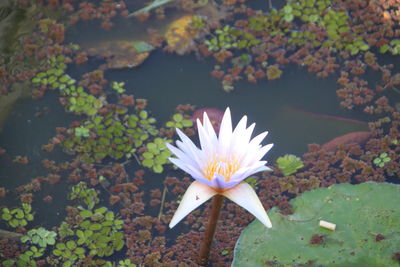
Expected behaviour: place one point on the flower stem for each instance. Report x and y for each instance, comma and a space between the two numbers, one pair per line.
210, 230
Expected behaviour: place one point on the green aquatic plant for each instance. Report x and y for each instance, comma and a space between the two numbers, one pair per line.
17, 216
81, 131
367, 231
242, 60
393, 47
99, 231
69, 252
80, 102
119, 87
156, 155
126, 263
26, 259
382, 160
82, 192
198, 22
268, 22
54, 76
289, 164
117, 134
288, 13
178, 121
230, 38
252, 181
40, 236
65, 230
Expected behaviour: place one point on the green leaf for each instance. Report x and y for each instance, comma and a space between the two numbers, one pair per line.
100, 210
359, 220
95, 227
6, 216
157, 168
177, 117
71, 244
86, 213
148, 163
148, 155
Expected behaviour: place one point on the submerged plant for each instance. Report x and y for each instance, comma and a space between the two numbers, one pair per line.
219, 168
289, 164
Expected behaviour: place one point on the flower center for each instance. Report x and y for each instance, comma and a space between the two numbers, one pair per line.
225, 166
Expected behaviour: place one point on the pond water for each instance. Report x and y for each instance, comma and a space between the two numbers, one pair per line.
298, 109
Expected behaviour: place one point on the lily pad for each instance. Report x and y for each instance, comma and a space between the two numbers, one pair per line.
367, 232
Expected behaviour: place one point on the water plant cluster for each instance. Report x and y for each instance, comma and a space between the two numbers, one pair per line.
17, 217
115, 134
382, 160
230, 38
289, 164
26, 259
54, 77
40, 236
156, 155
178, 121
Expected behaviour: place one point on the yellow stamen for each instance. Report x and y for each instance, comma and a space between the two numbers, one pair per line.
225, 166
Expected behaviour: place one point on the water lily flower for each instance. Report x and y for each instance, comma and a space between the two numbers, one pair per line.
221, 165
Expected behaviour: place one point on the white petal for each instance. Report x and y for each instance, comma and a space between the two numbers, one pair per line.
205, 141
196, 194
244, 195
186, 167
225, 133
187, 146
181, 155
261, 153
209, 129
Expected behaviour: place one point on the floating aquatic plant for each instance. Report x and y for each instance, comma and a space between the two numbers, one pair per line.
178, 121
117, 134
17, 216
156, 155
40, 236
81, 131
289, 164
382, 160
229, 38
82, 192
55, 76
393, 47
126, 263
69, 252
26, 259
119, 87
